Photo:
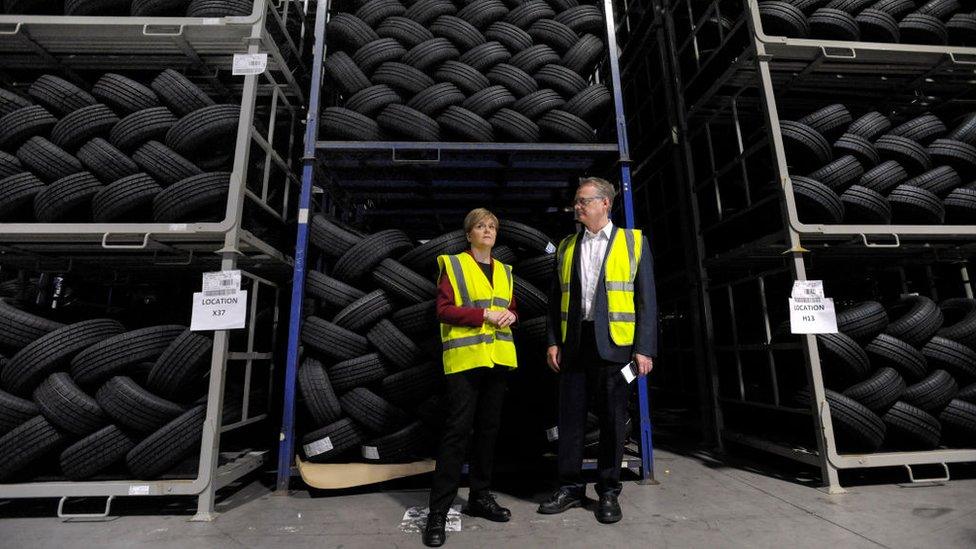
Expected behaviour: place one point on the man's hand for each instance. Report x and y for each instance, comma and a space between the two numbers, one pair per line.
553, 356
500, 319
644, 364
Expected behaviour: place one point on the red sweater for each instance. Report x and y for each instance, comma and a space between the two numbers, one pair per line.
449, 313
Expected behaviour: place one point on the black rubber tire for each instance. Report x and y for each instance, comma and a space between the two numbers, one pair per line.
46, 160
959, 423
123, 94
67, 407
408, 444
426, 11
584, 55
67, 200
366, 254
565, 127
865, 206
329, 237
870, 125
426, 55
423, 258
508, 35
910, 154
915, 206
372, 411
582, 19
179, 372
914, 320
128, 199
933, 393
409, 123
9, 165
115, 354
965, 130
332, 340
505, 254
26, 444
805, 148
531, 300
462, 34
833, 24
342, 70
486, 102
485, 56
317, 392
884, 177
968, 394
524, 236
212, 129
96, 7
344, 124
371, 100
164, 164
141, 126
417, 320
859, 147
897, 8
955, 358
561, 79
959, 155
852, 7
345, 30
878, 26
829, 121
529, 12
536, 104
939, 181
880, 391
168, 446
402, 283
158, 8
510, 125
539, 270
515, 79
917, 28
197, 198
468, 79
554, 34
591, 104
461, 124
59, 95
816, 202
842, 360
81, 125
95, 453
330, 441
133, 407
960, 206
924, 129
178, 93
361, 314
781, 18
856, 428
404, 30
105, 161
839, 174
15, 411
885, 350
942, 9
17, 194
375, 53
10, 101
909, 427
219, 8
331, 291
863, 321
961, 29
482, 13
412, 386
357, 372
959, 324
24, 123
393, 345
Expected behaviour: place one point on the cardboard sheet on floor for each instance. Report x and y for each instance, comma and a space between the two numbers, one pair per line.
347, 475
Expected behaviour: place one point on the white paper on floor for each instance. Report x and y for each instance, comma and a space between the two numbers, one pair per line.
415, 519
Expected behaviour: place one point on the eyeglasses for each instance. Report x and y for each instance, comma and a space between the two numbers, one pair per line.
586, 200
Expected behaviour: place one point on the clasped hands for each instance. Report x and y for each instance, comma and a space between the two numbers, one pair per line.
500, 319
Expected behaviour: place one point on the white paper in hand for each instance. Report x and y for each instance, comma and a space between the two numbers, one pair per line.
629, 371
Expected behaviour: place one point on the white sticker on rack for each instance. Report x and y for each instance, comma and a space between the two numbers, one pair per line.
211, 21
303, 215
320, 446
370, 452
177, 226
552, 433
221, 282
249, 63
803, 289
226, 311
140, 490
550, 248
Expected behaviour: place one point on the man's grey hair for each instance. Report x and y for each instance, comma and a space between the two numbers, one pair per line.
603, 187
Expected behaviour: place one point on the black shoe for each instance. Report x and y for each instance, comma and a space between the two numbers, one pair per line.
561, 500
434, 532
485, 506
608, 512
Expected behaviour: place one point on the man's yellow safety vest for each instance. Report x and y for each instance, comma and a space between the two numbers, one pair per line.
620, 268
468, 347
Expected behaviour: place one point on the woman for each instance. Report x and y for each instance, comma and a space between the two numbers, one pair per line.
476, 309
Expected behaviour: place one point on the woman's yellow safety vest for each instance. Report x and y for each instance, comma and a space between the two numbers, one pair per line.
620, 268
468, 347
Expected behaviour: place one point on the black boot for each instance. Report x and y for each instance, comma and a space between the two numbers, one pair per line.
561, 500
485, 506
608, 512
434, 532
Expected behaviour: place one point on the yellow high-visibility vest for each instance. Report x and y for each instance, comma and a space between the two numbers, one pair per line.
620, 269
468, 347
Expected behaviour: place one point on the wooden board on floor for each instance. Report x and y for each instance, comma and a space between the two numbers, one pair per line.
331, 476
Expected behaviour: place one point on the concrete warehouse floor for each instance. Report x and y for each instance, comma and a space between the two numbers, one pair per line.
699, 503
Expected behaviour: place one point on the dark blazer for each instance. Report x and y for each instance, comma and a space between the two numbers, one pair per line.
645, 301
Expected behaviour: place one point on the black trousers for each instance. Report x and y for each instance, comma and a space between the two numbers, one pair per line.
588, 376
474, 400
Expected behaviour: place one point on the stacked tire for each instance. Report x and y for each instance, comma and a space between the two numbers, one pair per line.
121, 151
93, 398
371, 372
481, 71
935, 22
876, 171
137, 8
902, 377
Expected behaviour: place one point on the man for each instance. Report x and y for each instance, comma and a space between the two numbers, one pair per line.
602, 315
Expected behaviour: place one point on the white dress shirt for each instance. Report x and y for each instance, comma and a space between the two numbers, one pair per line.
592, 251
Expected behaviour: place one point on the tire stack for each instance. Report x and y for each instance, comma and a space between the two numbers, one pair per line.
371, 371
136, 8
902, 378
936, 22
880, 172
480, 71
122, 151
91, 398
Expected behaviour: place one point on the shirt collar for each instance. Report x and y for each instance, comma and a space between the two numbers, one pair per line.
605, 231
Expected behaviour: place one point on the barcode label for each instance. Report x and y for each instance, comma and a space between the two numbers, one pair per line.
229, 291
220, 282
317, 447
808, 299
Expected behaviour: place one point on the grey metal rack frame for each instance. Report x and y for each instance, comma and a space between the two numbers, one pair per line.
715, 95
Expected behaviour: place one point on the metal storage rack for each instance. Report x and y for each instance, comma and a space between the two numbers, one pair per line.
533, 171
72, 45
727, 77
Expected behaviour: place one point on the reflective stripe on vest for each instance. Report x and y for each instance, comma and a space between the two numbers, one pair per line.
467, 347
620, 271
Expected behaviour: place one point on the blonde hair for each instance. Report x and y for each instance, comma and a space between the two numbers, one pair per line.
476, 215
603, 187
